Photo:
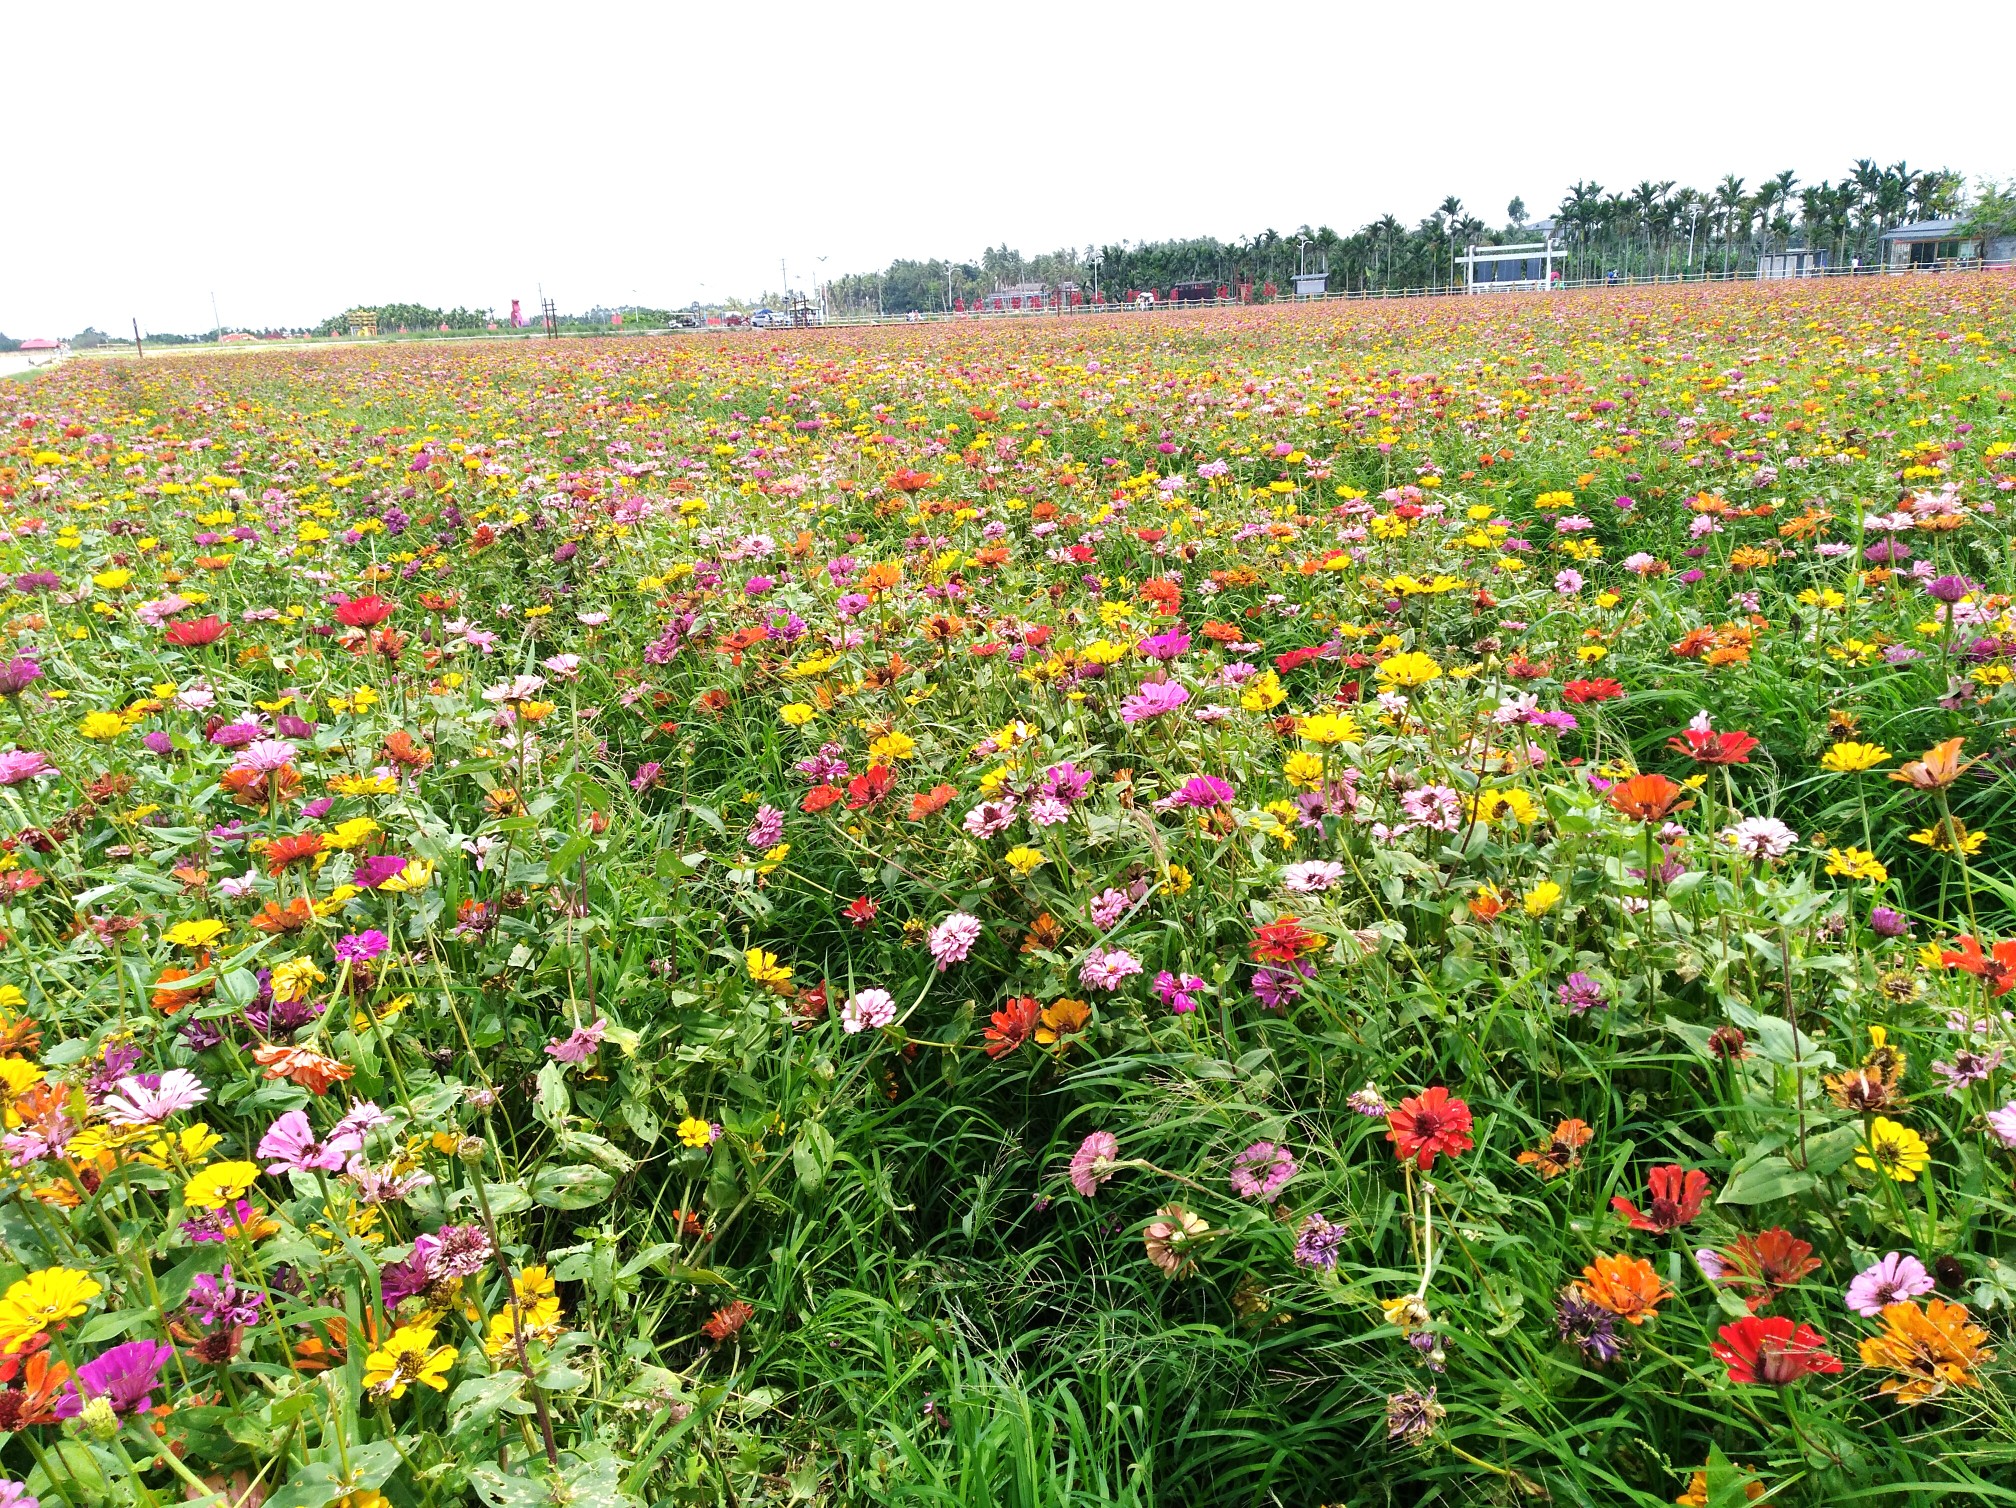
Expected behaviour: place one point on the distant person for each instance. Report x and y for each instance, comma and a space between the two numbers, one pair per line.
1611, 279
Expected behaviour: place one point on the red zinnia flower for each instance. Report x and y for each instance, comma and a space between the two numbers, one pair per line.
1427, 1124
1713, 748
1012, 1025
820, 797
1598, 690
364, 612
1770, 1261
195, 634
868, 790
1677, 1193
1997, 966
1772, 1350
861, 912
904, 479
1283, 942
727, 1321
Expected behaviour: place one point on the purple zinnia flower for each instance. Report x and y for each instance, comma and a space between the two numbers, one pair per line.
1280, 985
124, 1376
1316, 1243
1887, 923
1581, 993
1891, 1280
1165, 646
1590, 1329
1948, 589
217, 1301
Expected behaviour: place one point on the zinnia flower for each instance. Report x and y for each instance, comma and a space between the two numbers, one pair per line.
1261, 1171
1890, 1279
1170, 1238
953, 938
1428, 1125
1094, 1162
1927, 1351
1772, 1350
1677, 1193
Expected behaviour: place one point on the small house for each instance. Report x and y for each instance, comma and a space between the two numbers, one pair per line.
1942, 243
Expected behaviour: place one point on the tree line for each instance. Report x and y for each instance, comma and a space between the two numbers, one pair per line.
1652, 228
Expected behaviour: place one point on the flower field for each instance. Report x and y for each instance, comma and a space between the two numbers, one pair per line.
1381, 904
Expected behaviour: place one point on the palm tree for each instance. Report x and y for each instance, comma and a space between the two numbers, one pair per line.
1729, 199
1781, 187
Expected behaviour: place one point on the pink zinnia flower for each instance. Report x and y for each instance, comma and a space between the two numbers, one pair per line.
1261, 1171
1153, 700
1104, 969
952, 939
579, 1045
1094, 1162
17, 765
867, 1010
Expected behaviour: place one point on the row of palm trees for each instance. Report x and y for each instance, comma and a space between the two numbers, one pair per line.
1652, 229
1659, 228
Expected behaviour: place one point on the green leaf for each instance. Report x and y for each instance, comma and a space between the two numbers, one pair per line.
812, 1156
1760, 1183
572, 1186
477, 1401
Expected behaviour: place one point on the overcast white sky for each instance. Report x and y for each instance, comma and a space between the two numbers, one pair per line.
297, 159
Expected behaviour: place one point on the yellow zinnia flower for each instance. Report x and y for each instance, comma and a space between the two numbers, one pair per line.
1542, 898
1894, 1150
1327, 728
101, 725
196, 934
1853, 758
1023, 859
219, 1185
410, 1356
1407, 671
41, 1300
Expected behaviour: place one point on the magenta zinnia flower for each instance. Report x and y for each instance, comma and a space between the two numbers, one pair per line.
125, 1376
1154, 699
361, 947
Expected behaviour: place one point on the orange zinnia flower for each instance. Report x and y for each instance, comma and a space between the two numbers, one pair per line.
1649, 798
1938, 768
1562, 1152
277, 920
1626, 1286
169, 1000
294, 849
298, 1065
1929, 1350
401, 750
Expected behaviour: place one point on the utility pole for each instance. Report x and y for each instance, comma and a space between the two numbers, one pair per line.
215, 315
136, 338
